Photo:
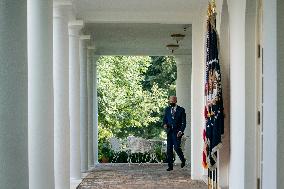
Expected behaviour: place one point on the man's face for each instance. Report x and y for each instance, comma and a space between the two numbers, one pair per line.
172, 99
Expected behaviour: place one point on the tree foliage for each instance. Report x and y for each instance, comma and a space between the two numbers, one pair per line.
163, 72
132, 92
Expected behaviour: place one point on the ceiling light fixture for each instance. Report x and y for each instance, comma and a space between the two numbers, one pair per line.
177, 37
172, 47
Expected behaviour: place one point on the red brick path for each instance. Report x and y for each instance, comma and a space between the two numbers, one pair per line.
144, 176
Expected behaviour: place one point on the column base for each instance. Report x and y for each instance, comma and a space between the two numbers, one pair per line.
90, 167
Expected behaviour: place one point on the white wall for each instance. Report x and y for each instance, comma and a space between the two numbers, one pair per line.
237, 75
224, 55
250, 177
270, 96
242, 21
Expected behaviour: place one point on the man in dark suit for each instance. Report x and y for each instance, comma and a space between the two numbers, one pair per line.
174, 122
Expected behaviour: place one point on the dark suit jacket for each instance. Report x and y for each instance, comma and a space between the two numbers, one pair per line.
178, 123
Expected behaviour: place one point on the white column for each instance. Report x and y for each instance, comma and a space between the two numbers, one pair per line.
74, 98
14, 171
183, 93
40, 95
61, 94
280, 94
197, 88
95, 111
83, 102
238, 72
90, 55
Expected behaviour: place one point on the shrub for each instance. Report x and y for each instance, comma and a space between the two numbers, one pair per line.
106, 154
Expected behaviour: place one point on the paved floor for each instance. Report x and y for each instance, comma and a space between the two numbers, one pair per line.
144, 176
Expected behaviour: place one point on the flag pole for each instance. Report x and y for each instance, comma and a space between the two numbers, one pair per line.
212, 178
217, 179
209, 176
208, 173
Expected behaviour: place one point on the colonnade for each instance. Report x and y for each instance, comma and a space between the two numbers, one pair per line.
47, 81
57, 84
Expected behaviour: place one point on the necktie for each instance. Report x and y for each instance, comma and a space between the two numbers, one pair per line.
173, 112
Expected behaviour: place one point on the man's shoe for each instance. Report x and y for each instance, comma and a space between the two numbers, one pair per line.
182, 164
169, 169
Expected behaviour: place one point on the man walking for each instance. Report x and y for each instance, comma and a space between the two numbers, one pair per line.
174, 122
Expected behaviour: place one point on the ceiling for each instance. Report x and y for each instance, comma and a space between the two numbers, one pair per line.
137, 27
138, 11
138, 39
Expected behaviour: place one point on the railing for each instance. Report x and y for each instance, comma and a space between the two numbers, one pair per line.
133, 145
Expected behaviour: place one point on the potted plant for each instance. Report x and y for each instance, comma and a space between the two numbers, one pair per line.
106, 153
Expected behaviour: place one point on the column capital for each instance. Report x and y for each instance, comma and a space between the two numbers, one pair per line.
61, 3
91, 48
85, 37
90, 53
96, 58
183, 59
75, 26
62, 9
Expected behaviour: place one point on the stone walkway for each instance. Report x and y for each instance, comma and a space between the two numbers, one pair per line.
135, 176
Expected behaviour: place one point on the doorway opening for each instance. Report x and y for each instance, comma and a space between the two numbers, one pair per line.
132, 95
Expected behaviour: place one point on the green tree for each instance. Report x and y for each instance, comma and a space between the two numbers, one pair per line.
125, 107
163, 72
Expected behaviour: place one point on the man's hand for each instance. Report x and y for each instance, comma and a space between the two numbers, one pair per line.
165, 126
179, 134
